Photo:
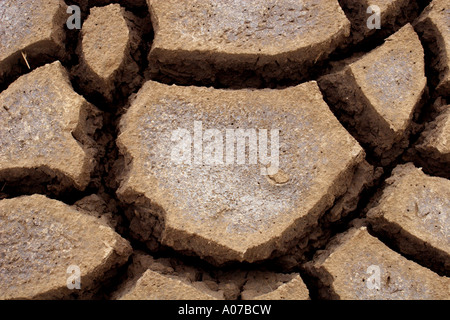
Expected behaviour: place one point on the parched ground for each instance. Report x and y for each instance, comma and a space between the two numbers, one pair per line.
127, 169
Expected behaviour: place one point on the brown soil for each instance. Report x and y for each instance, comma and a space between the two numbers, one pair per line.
87, 176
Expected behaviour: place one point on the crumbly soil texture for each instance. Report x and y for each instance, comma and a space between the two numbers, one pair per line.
230, 150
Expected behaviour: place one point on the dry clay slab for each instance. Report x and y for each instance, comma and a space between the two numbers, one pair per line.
414, 213
214, 41
41, 239
155, 286
434, 28
166, 278
109, 40
85, 4
46, 127
392, 15
163, 279
220, 203
434, 145
273, 286
357, 266
377, 95
32, 27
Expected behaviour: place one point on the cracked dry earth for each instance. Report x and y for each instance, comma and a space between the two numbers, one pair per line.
358, 209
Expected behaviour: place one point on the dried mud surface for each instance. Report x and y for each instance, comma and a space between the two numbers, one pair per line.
86, 178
